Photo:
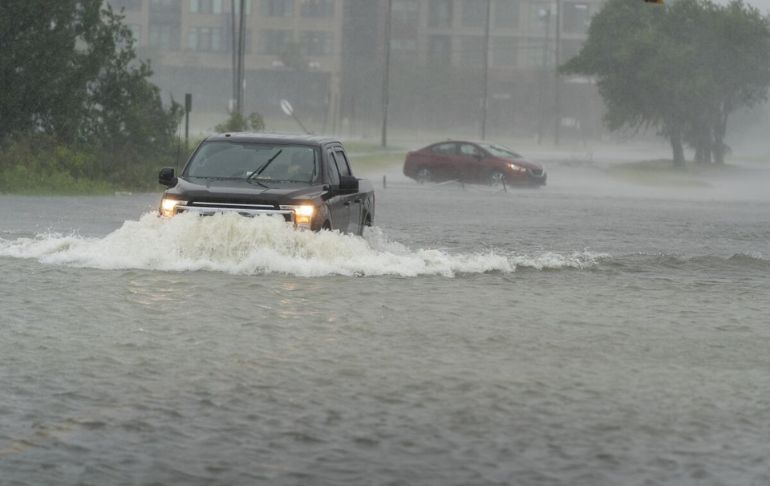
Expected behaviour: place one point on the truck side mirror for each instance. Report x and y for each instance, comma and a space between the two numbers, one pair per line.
348, 185
166, 177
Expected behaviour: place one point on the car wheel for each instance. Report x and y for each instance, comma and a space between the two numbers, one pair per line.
423, 175
496, 179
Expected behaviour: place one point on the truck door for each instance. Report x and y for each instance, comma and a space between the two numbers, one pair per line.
352, 201
340, 212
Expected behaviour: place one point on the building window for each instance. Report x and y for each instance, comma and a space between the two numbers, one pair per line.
570, 49
246, 42
163, 36
277, 8
127, 5
206, 6
317, 8
504, 51
535, 52
136, 33
405, 11
273, 42
440, 13
577, 18
227, 6
507, 14
439, 50
471, 51
403, 44
159, 6
205, 39
474, 13
317, 43
536, 16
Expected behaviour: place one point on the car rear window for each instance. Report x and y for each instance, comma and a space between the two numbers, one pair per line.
500, 150
444, 149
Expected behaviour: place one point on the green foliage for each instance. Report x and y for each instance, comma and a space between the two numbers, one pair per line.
40, 164
682, 69
72, 80
238, 123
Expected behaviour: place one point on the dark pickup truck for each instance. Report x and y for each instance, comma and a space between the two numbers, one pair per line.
304, 179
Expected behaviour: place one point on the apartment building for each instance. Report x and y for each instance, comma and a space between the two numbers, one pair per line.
327, 57
292, 51
437, 59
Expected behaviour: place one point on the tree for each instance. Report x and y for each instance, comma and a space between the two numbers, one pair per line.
681, 69
238, 123
70, 71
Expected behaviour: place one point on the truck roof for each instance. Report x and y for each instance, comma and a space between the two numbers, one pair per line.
274, 138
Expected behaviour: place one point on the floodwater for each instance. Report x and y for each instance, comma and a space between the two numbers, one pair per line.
591, 332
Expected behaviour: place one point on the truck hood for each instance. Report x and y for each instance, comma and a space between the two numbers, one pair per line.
242, 191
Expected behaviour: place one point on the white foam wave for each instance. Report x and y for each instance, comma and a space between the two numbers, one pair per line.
237, 245
556, 261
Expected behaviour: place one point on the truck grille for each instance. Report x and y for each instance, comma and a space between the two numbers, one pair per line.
209, 208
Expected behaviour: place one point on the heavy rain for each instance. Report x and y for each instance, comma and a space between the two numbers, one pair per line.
345, 242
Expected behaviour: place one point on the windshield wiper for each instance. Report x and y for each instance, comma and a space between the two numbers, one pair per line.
258, 182
264, 166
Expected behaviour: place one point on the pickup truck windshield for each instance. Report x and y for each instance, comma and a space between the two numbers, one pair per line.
261, 162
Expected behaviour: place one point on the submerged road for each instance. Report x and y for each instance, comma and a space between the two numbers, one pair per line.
586, 333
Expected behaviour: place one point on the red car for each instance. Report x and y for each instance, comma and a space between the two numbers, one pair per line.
472, 162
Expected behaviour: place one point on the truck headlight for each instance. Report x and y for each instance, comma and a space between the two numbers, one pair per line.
303, 214
168, 206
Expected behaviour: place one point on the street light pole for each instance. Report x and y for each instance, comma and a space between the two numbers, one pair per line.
557, 80
241, 49
485, 98
545, 17
234, 46
386, 77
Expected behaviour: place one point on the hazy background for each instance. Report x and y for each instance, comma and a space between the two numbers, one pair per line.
329, 64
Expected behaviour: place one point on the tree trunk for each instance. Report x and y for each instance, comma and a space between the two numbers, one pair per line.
701, 140
676, 146
719, 147
702, 151
718, 137
698, 157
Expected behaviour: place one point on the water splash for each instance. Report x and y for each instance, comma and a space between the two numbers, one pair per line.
252, 246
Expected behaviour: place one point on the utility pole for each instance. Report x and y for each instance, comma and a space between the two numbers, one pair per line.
241, 49
545, 17
386, 77
485, 98
234, 42
187, 110
557, 80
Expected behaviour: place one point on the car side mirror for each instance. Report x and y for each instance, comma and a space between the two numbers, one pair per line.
348, 185
166, 177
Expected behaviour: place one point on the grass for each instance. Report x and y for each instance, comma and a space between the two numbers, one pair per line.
661, 172
755, 158
367, 156
19, 180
